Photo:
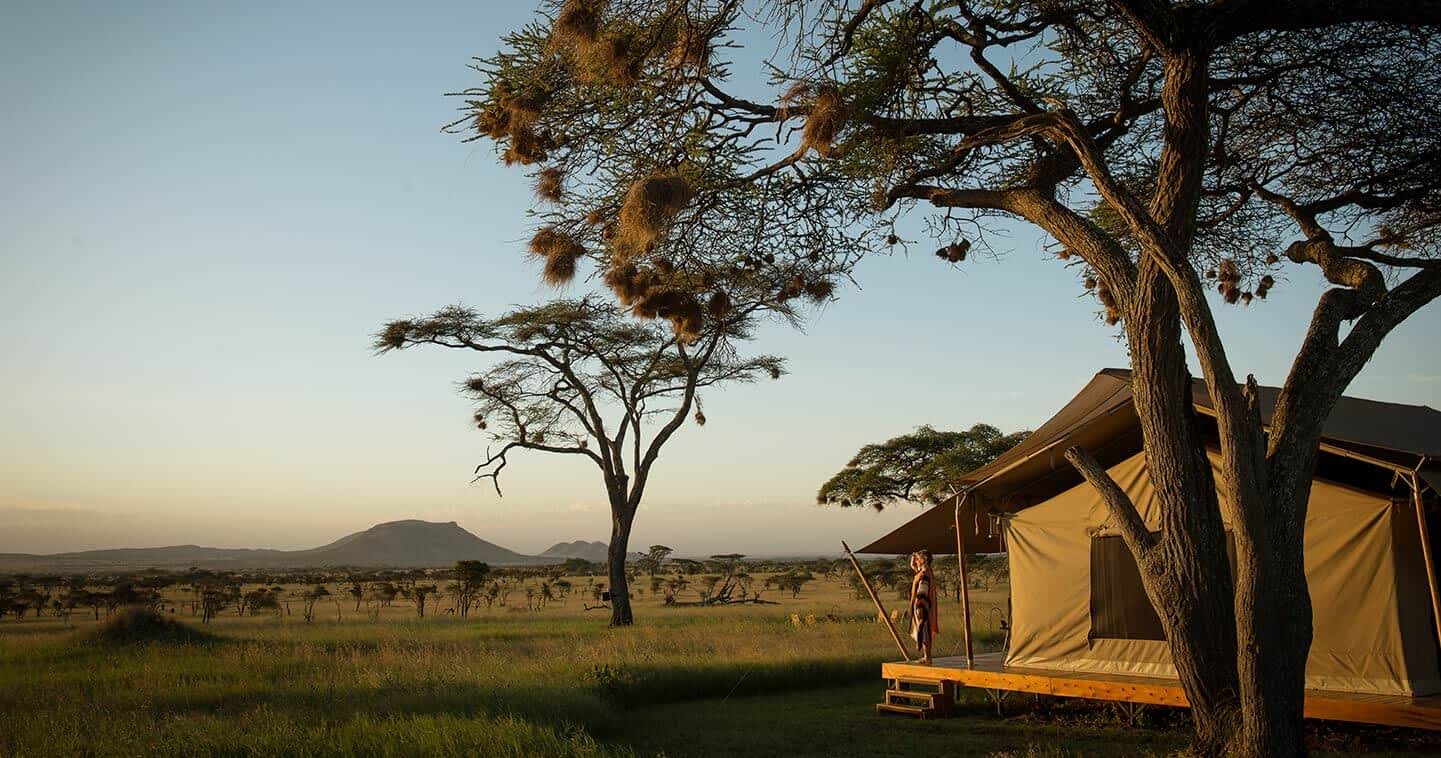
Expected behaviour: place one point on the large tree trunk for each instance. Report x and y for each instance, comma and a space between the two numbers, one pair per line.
1273, 612
622, 516
1186, 574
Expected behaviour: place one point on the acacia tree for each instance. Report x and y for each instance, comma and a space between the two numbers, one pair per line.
310, 598
469, 580
1179, 155
653, 558
583, 378
924, 466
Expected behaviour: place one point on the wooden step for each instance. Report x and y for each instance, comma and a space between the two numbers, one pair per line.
904, 697
936, 685
906, 710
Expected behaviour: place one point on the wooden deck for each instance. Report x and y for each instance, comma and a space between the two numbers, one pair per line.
990, 673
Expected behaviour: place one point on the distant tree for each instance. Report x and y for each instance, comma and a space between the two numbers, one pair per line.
310, 598
924, 466
654, 557
357, 592
579, 567
262, 599
39, 598
126, 593
491, 594
383, 593
987, 570
417, 593
687, 566
214, 597
708, 584
469, 580
791, 581
583, 378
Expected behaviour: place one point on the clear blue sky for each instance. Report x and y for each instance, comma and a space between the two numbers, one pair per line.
207, 208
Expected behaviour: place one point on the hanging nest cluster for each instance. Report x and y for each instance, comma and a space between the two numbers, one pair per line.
954, 252
819, 291
692, 50
720, 304
600, 55
512, 116
614, 59
578, 22
826, 117
560, 251
649, 207
1108, 301
648, 292
1228, 277
1264, 286
548, 185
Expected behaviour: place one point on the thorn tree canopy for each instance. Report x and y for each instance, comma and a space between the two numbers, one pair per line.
672, 220
924, 466
1183, 155
583, 378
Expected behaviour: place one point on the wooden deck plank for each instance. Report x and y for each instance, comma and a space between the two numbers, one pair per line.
990, 672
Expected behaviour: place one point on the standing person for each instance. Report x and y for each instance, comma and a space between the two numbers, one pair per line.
923, 604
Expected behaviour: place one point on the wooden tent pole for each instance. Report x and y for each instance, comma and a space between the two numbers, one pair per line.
965, 581
1426, 553
906, 654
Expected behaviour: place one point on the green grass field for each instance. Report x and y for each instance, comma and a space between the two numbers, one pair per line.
738, 681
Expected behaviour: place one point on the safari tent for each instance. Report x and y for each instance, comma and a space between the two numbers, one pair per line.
1079, 613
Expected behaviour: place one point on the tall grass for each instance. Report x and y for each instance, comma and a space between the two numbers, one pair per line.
507, 684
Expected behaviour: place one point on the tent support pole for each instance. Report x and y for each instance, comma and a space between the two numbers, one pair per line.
1426, 554
965, 581
906, 654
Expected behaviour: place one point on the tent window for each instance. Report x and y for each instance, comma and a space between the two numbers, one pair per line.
1120, 609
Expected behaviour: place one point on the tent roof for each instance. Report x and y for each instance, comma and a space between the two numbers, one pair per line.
1102, 419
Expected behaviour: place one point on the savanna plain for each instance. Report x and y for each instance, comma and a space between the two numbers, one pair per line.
798, 677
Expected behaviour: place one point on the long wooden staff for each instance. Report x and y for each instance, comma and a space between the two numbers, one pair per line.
906, 654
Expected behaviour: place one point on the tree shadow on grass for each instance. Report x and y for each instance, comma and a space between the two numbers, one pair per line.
552, 706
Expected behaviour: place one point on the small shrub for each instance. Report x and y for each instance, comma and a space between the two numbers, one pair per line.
141, 624
608, 682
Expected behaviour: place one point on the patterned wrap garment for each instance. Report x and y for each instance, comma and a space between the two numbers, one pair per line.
924, 622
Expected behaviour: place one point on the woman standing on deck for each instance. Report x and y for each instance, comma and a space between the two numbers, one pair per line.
923, 604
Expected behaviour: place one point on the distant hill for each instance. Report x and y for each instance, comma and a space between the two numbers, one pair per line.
409, 543
597, 551
591, 551
400, 544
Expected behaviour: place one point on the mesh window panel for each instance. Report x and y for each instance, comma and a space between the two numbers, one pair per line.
1120, 609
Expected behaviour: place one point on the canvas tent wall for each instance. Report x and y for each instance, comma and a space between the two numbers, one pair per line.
1374, 621
1078, 605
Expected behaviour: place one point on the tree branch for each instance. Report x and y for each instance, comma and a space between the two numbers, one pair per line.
1128, 519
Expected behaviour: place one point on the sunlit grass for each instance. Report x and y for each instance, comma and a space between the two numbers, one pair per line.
499, 683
